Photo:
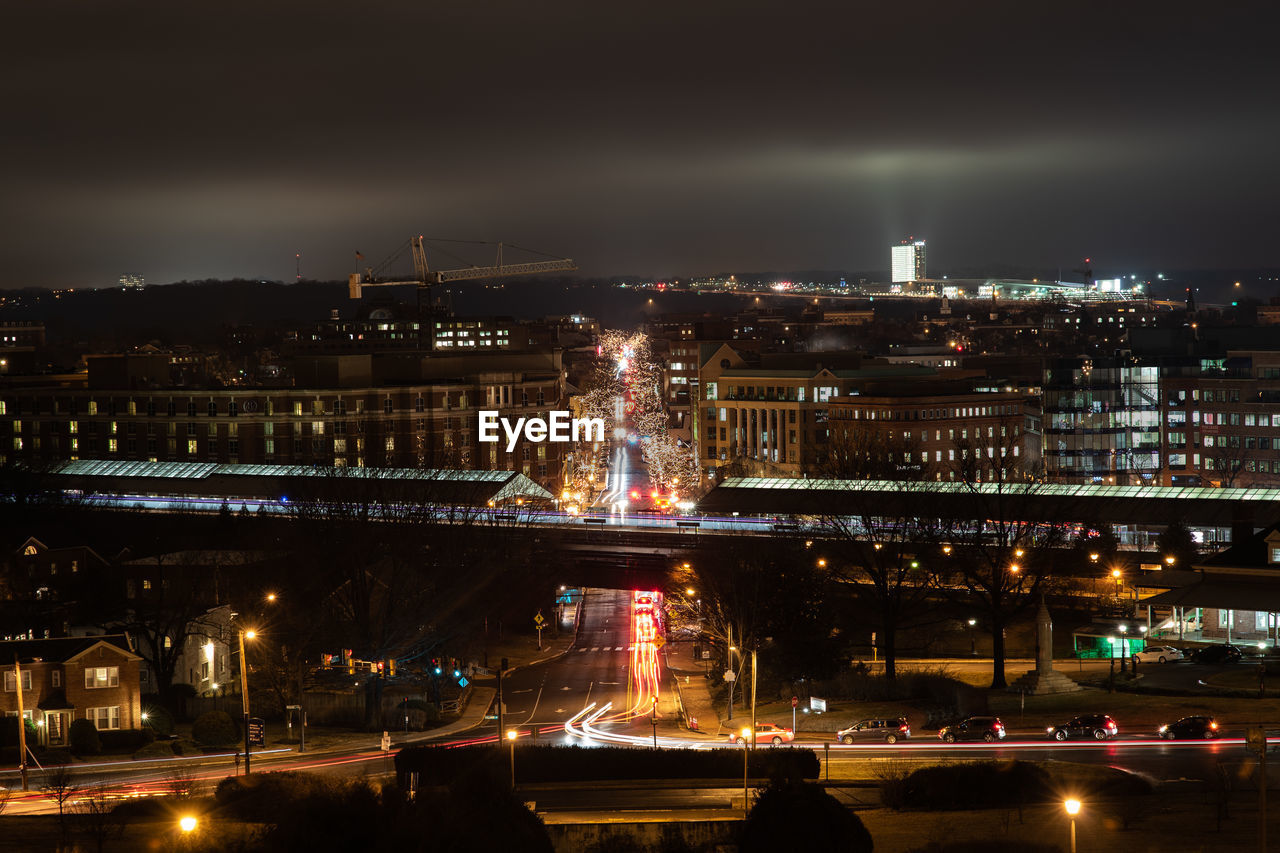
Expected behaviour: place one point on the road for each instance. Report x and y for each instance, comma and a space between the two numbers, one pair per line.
591, 687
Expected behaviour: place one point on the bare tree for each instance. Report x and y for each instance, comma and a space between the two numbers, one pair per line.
60, 786
999, 556
873, 545
98, 818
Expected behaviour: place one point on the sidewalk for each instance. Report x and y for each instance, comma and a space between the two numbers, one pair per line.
688, 677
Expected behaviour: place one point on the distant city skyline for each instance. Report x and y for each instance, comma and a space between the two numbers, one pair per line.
185, 143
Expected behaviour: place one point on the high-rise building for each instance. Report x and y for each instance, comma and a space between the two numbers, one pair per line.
132, 281
908, 261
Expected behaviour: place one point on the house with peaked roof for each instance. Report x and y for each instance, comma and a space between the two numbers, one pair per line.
72, 678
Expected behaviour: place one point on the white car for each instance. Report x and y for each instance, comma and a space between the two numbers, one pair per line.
1158, 654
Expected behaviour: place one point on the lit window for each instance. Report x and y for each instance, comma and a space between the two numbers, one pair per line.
101, 676
104, 718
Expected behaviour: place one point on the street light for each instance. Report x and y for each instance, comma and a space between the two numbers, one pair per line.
746, 748
973, 643
244, 690
1124, 653
188, 824
1170, 560
1117, 574
1073, 809
512, 734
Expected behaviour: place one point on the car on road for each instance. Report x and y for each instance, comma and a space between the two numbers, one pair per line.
1094, 726
766, 733
1198, 726
989, 729
1216, 654
876, 730
1158, 654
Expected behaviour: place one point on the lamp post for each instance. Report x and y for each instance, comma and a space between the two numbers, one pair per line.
973, 643
512, 734
1111, 679
747, 735
244, 691
1119, 579
1073, 809
1124, 654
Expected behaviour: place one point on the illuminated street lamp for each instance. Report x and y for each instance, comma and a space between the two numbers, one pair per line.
1073, 808
1118, 575
973, 643
188, 824
512, 734
244, 690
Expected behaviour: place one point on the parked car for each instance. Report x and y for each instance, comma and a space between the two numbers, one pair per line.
1216, 654
1202, 727
989, 729
1096, 726
1158, 654
766, 733
880, 729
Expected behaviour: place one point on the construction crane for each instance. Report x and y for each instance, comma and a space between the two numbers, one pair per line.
424, 277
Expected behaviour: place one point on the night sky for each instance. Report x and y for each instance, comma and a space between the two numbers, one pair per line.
185, 140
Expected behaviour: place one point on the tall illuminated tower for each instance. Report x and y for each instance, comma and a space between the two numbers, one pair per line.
908, 261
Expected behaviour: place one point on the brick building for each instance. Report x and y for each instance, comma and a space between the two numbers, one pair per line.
73, 678
383, 410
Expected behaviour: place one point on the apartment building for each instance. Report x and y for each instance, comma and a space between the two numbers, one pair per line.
73, 678
376, 410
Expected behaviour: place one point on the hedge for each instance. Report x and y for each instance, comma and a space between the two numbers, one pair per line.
440, 766
1004, 784
83, 735
215, 728
264, 797
125, 740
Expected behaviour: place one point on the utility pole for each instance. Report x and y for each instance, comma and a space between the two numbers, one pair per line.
753, 698
502, 666
728, 655
244, 698
22, 723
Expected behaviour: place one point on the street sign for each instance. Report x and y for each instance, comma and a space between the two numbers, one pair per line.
659, 643
729, 675
386, 741
257, 731
818, 705
706, 654
538, 620
462, 682
795, 700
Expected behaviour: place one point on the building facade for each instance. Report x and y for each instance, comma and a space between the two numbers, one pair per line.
1174, 421
73, 678
908, 261
354, 410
